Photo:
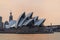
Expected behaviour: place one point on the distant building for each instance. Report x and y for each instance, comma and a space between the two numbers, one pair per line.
1, 23
6, 24
11, 16
0, 19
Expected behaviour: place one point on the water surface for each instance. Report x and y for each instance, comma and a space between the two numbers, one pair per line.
55, 36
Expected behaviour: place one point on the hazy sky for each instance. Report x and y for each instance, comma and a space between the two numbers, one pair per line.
49, 9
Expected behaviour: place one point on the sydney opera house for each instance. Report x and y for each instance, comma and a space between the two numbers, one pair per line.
25, 24
28, 21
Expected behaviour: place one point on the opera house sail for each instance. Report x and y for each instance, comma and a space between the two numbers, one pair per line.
28, 20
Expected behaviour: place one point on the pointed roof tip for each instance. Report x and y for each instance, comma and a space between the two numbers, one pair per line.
31, 12
24, 12
43, 18
35, 18
28, 13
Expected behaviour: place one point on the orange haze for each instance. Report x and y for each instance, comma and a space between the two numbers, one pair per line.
49, 9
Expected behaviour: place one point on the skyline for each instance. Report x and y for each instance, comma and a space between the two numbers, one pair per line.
49, 9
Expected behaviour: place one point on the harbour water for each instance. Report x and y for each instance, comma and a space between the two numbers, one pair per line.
54, 36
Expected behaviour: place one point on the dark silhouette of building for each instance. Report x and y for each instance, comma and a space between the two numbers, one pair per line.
0, 19
6, 23
1, 23
11, 16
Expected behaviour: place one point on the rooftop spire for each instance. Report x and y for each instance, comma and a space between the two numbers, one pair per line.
11, 16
